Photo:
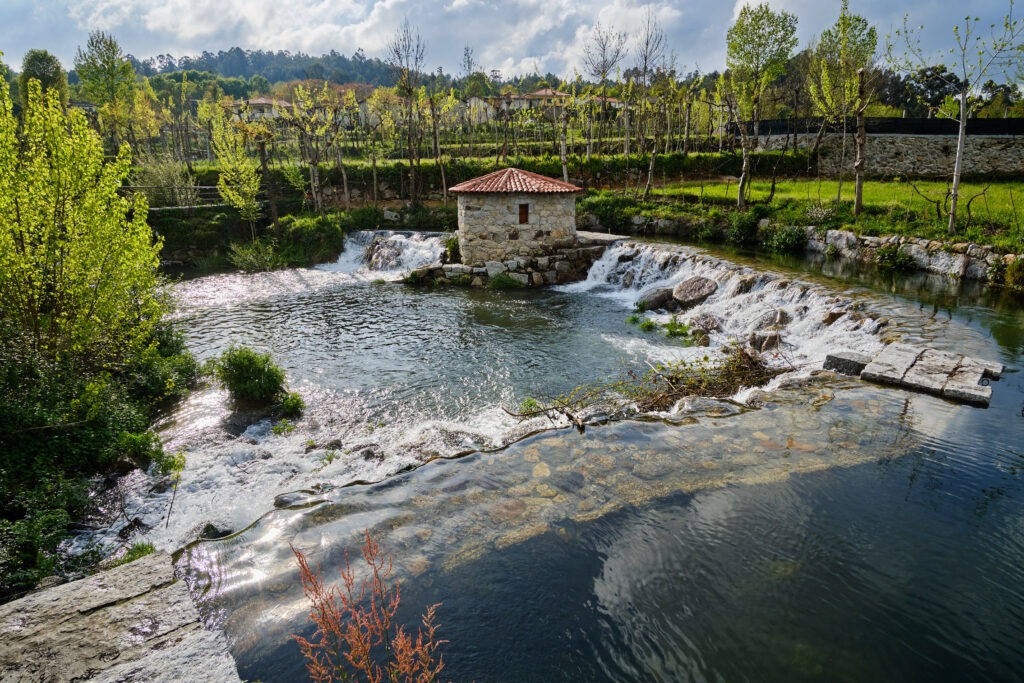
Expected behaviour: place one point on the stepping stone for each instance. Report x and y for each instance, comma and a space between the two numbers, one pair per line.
965, 385
891, 364
847, 362
931, 371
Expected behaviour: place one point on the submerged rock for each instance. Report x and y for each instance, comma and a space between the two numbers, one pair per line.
658, 299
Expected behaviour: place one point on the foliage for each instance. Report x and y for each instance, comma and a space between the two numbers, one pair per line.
891, 258
292, 404
108, 80
45, 68
845, 47
784, 239
355, 631
503, 281
648, 325
165, 181
452, 252
311, 239
249, 375
676, 328
256, 257
77, 260
1013, 276
282, 428
135, 552
239, 179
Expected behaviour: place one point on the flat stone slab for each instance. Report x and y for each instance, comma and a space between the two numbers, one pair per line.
585, 238
950, 375
891, 364
931, 371
847, 362
135, 622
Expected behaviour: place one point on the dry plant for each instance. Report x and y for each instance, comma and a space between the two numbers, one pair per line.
356, 638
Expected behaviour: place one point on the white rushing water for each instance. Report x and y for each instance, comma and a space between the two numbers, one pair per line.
382, 421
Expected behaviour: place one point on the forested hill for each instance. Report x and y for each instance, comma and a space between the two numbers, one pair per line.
274, 66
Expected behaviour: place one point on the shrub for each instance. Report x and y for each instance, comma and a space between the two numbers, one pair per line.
676, 328
453, 253
364, 218
1013, 275
292, 404
249, 376
785, 239
891, 258
135, 551
255, 257
648, 325
309, 239
503, 281
742, 228
356, 636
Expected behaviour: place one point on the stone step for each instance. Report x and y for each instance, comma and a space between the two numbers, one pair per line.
941, 373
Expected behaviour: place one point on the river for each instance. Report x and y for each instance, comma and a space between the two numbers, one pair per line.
820, 528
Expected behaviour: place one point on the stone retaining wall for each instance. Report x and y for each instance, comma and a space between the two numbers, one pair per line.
917, 155
560, 266
960, 260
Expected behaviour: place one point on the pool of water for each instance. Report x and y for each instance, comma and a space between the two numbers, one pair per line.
820, 528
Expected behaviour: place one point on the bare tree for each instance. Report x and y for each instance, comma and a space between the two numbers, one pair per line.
976, 54
605, 50
405, 55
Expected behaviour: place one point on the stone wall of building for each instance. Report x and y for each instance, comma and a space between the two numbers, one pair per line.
489, 228
917, 155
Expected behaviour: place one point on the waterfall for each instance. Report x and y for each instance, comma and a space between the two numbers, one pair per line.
795, 323
387, 254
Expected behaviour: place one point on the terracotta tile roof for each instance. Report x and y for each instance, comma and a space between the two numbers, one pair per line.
514, 180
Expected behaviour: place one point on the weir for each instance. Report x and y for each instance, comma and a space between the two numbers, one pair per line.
406, 435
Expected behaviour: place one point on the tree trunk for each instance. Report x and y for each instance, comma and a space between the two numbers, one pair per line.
961, 139
860, 139
561, 147
268, 183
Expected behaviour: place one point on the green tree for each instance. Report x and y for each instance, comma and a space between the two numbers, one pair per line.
239, 179
45, 68
837, 89
108, 80
758, 46
975, 54
77, 260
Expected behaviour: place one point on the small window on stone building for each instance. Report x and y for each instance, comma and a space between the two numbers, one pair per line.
524, 214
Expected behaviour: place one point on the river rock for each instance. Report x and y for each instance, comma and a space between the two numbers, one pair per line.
773, 320
694, 291
762, 340
131, 623
847, 362
657, 299
706, 323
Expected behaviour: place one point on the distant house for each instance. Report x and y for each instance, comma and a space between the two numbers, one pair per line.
262, 108
512, 214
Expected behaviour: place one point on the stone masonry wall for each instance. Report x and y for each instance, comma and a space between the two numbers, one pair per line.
489, 228
919, 155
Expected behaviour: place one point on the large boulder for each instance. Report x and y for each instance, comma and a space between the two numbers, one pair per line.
693, 291
657, 299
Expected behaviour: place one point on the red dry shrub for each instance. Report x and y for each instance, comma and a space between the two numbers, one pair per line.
356, 638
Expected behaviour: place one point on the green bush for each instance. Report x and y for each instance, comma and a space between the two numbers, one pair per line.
648, 325
742, 228
784, 239
504, 281
249, 375
256, 257
453, 254
891, 258
309, 239
1013, 275
364, 218
292, 404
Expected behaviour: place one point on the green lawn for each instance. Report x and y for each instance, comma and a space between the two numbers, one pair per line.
996, 209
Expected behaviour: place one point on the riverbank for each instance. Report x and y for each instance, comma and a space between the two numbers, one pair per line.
135, 622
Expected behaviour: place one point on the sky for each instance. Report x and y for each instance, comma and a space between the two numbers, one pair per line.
512, 36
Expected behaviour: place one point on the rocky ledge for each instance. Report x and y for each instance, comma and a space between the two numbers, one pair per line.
135, 622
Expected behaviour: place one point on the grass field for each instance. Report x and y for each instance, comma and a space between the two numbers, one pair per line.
989, 213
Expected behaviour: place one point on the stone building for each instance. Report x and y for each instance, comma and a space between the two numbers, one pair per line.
513, 214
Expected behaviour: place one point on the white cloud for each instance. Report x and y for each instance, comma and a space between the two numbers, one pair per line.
515, 36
